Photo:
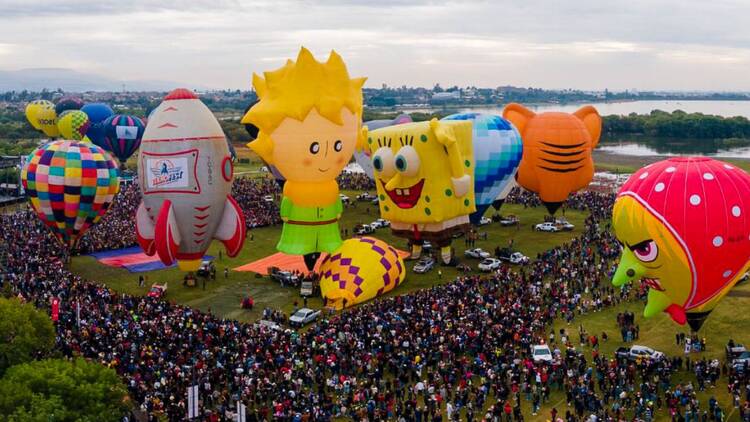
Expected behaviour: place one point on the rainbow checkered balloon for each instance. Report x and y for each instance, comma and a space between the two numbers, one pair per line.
70, 186
361, 269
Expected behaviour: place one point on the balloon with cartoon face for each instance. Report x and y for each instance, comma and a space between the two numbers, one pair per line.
684, 224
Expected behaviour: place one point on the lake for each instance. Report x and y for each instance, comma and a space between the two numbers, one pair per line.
644, 148
721, 108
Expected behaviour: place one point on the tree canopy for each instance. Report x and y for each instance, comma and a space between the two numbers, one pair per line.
26, 333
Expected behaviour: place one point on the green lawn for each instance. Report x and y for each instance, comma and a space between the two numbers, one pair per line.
224, 295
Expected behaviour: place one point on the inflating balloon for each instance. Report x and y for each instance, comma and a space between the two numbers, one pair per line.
98, 113
362, 155
185, 173
556, 151
68, 103
73, 124
684, 224
122, 136
360, 270
497, 153
70, 185
424, 177
309, 121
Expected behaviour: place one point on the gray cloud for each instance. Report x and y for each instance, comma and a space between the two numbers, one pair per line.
585, 44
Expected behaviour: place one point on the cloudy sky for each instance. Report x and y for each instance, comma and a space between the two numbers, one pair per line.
587, 44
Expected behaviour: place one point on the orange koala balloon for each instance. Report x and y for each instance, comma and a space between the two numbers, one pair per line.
556, 151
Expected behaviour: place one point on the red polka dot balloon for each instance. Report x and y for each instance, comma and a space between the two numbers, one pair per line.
684, 223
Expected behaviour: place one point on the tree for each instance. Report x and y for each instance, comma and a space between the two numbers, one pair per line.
71, 390
25, 333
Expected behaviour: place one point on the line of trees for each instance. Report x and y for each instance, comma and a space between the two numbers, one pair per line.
678, 124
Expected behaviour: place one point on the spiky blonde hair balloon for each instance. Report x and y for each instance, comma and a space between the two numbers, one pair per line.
296, 88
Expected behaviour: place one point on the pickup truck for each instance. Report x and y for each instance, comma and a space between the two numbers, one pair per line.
639, 352
303, 317
157, 291
509, 220
734, 350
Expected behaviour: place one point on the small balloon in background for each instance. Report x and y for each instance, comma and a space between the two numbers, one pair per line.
73, 125
68, 103
122, 136
98, 113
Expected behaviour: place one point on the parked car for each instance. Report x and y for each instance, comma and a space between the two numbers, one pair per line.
741, 362
564, 225
345, 199
303, 317
283, 277
363, 229
541, 353
381, 223
734, 350
546, 227
509, 220
157, 291
490, 264
268, 198
484, 221
478, 253
205, 269
424, 265
639, 352
375, 201
366, 196
518, 258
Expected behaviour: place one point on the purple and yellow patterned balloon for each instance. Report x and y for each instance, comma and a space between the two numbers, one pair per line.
70, 186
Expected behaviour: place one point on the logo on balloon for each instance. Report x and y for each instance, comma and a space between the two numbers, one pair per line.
168, 173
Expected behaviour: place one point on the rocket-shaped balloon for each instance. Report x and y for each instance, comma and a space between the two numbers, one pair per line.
185, 173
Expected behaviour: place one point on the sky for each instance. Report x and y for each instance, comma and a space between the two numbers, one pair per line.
582, 44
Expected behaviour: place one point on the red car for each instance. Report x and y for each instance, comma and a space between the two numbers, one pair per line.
157, 290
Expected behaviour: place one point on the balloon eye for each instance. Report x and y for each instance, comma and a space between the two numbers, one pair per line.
382, 162
407, 161
314, 147
646, 251
338, 145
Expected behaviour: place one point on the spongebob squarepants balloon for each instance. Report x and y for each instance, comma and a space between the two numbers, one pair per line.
309, 120
556, 151
424, 177
684, 224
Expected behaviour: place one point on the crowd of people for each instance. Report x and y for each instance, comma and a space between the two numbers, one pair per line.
457, 351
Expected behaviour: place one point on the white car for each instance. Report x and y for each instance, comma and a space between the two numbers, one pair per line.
490, 264
478, 253
518, 258
424, 265
380, 223
303, 316
546, 227
541, 353
366, 196
268, 198
344, 198
484, 221
639, 352
563, 224
364, 229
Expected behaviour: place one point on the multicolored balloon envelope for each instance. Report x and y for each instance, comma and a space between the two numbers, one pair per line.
98, 113
556, 151
73, 125
360, 270
68, 103
684, 224
424, 176
42, 116
70, 185
122, 135
185, 173
497, 153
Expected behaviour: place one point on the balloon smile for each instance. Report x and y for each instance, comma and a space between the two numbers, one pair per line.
323, 170
652, 283
405, 198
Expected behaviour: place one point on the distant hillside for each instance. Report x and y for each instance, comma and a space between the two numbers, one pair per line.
74, 81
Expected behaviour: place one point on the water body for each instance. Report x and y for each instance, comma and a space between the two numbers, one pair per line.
720, 108
643, 148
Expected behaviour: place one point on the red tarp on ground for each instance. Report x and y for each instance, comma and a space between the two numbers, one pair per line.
286, 262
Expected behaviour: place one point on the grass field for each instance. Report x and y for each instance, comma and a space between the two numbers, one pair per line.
224, 295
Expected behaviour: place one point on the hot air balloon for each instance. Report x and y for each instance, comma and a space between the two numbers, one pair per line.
73, 125
309, 120
98, 113
556, 151
42, 116
684, 224
500, 200
68, 103
497, 153
361, 269
424, 177
122, 136
185, 174
252, 130
361, 156
70, 185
